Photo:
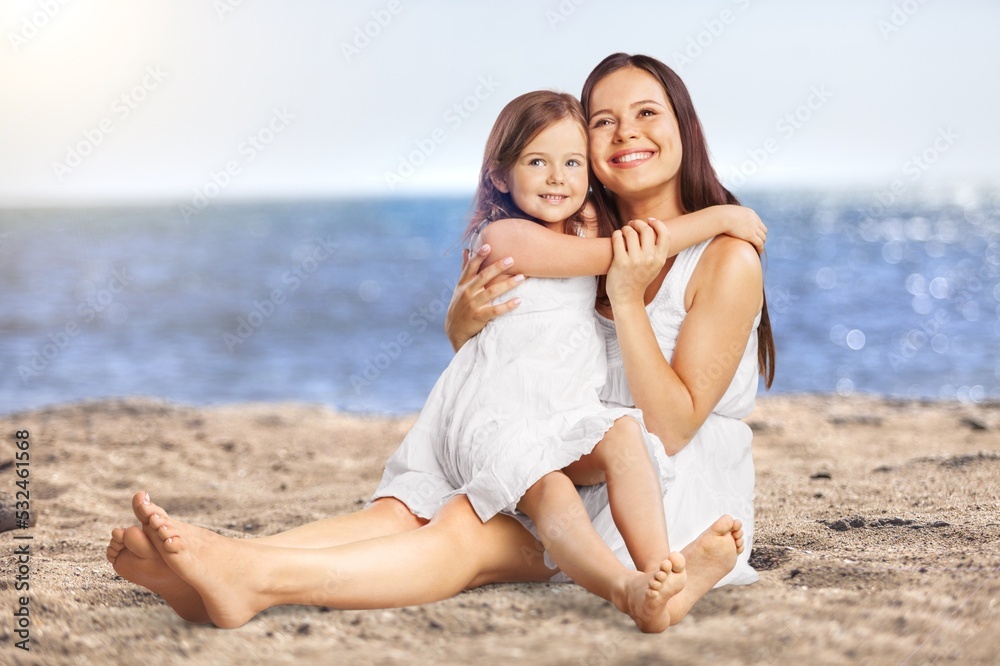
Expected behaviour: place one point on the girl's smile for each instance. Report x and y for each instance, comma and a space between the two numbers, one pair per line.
549, 180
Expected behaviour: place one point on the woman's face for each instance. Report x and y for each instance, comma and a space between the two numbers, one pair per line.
635, 143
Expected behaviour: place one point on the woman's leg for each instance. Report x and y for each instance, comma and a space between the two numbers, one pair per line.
136, 559
238, 578
567, 534
634, 492
385, 516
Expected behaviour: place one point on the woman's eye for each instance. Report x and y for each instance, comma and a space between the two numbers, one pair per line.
647, 112
602, 122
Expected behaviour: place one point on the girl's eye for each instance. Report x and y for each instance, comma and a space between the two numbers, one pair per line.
536, 162
574, 163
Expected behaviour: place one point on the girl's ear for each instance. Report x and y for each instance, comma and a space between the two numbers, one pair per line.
499, 182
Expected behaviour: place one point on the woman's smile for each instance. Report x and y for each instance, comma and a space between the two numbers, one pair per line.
631, 158
635, 143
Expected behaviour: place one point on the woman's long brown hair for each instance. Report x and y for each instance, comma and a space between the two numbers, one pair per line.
700, 187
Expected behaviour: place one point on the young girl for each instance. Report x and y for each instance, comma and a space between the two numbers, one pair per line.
515, 420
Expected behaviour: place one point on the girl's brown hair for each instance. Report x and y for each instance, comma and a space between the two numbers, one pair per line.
518, 123
700, 187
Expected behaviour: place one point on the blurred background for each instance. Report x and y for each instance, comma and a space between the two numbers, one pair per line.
237, 200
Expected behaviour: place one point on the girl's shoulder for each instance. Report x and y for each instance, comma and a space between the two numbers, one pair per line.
492, 231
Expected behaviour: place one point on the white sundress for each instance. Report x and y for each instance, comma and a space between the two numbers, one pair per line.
714, 474
518, 401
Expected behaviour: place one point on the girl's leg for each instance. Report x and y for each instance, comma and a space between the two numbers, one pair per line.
634, 492
238, 578
567, 534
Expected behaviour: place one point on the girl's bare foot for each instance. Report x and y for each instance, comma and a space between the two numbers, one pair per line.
644, 597
709, 558
135, 559
219, 569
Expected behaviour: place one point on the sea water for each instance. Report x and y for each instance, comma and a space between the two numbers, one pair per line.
342, 302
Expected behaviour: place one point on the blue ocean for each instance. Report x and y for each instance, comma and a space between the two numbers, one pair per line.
342, 302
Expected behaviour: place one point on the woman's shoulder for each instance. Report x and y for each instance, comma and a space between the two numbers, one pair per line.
731, 254
728, 264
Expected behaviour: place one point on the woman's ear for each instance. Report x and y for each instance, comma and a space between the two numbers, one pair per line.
499, 182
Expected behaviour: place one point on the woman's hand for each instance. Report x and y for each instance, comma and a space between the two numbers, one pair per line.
640, 249
743, 223
470, 308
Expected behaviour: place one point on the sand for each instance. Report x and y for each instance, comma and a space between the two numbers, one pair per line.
878, 542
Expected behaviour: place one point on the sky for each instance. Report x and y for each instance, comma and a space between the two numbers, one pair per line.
198, 100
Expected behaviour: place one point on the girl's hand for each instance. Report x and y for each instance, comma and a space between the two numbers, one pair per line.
470, 309
640, 249
743, 223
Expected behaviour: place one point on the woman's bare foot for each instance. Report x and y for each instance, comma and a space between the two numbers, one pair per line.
219, 569
135, 559
709, 558
644, 597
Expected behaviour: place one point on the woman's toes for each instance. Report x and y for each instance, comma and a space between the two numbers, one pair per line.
165, 532
140, 505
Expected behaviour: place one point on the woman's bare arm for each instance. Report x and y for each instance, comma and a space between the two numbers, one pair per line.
723, 299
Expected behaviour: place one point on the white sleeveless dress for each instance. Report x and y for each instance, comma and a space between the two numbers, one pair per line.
713, 474
518, 401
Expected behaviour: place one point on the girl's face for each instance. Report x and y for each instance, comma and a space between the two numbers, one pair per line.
635, 143
549, 180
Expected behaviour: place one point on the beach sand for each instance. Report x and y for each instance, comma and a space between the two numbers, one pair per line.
878, 541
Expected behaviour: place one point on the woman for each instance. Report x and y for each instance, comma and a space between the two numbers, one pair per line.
648, 151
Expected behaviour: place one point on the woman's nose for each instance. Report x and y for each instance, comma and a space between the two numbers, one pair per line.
625, 129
